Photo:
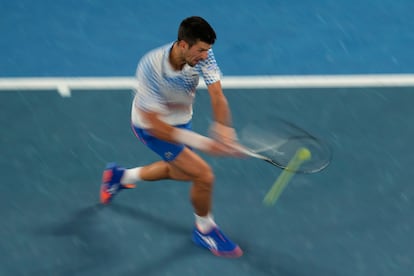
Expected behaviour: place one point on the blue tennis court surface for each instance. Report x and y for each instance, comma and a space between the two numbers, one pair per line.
354, 218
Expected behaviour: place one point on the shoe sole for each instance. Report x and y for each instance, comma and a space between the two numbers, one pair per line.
235, 253
104, 195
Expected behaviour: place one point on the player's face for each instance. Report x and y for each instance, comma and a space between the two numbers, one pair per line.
197, 52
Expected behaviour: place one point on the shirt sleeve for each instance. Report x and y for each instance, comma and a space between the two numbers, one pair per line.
210, 71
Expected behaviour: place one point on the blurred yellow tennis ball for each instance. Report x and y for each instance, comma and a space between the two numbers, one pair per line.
304, 154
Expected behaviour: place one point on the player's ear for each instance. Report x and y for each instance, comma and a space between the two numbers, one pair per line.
183, 44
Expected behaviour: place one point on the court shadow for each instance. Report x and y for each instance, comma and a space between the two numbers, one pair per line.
160, 264
85, 226
78, 223
84, 255
144, 216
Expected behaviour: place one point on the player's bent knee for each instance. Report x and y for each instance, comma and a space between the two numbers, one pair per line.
207, 177
194, 167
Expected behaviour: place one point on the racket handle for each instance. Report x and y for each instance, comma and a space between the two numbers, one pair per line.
248, 152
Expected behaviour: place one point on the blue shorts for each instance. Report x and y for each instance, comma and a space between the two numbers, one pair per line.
168, 151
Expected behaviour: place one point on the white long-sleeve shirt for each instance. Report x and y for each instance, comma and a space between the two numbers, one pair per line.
168, 92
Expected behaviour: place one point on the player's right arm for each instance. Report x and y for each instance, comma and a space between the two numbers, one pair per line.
166, 132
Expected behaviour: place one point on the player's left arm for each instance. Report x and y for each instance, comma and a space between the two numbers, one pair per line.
219, 104
222, 127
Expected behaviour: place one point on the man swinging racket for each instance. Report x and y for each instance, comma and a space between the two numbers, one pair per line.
161, 118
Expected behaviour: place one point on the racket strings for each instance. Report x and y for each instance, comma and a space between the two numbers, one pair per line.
280, 143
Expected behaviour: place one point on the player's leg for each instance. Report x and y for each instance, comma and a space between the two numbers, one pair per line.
180, 163
190, 165
160, 170
186, 166
117, 178
206, 233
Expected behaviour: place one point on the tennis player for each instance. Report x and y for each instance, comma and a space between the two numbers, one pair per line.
161, 118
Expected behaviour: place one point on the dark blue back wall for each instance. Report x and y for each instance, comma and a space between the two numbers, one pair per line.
106, 38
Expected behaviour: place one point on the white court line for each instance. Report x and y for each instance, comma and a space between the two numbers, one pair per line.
64, 85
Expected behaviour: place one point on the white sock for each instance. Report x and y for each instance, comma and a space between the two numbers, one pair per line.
131, 176
205, 224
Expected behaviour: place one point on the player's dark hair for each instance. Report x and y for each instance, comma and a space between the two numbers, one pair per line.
195, 28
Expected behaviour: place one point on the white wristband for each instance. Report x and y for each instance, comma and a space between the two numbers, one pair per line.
192, 139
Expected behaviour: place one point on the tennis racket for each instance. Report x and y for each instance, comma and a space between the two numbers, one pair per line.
279, 146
